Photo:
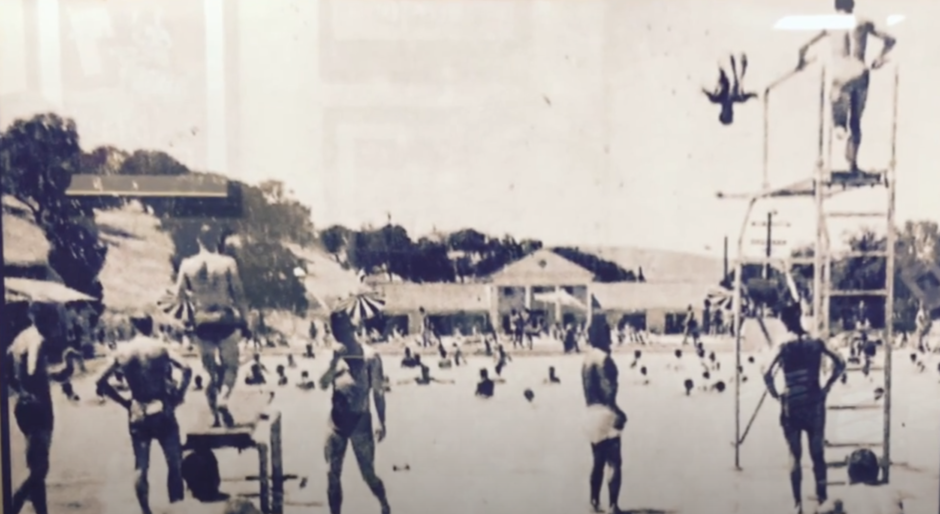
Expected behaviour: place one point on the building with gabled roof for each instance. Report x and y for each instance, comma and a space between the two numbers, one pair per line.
543, 274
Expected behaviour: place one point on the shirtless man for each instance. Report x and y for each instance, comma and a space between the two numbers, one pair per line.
210, 280
864, 495
605, 420
804, 401
146, 364
850, 74
354, 372
30, 371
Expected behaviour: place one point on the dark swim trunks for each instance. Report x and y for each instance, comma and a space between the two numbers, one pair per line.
347, 424
807, 417
32, 417
160, 426
217, 324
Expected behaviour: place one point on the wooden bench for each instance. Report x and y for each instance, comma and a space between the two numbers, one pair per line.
263, 434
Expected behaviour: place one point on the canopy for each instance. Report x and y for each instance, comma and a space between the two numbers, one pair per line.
30, 290
560, 297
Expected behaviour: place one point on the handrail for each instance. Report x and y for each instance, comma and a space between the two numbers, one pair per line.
766, 100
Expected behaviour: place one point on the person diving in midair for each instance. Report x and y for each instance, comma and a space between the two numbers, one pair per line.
730, 91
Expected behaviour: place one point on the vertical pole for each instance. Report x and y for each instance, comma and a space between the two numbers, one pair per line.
738, 325
768, 251
766, 170
263, 478
889, 285
277, 467
726, 260
818, 193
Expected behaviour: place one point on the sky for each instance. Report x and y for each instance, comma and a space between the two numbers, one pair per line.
578, 122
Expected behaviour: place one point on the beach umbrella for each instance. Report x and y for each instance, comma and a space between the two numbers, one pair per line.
30, 290
178, 306
362, 306
722, 298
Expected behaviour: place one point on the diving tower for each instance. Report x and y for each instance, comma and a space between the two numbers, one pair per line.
823, 184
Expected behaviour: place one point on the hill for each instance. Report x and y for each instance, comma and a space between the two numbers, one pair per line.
662, 265
137, 270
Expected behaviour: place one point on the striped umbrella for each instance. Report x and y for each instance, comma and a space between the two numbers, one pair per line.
179, 307
724, 298
362, 306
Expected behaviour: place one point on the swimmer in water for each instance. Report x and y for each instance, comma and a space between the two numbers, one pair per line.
850, 77
148, 367
281, 375
305, 383
552, 377
211, 281
30, 369
485, 387
410, 359
355, 372
256, 373
425, 378
803, 404
864, 494
605, 420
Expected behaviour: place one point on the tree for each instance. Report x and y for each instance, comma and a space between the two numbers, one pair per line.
334, 240
468, 240
37, 159
149, 162
604, 270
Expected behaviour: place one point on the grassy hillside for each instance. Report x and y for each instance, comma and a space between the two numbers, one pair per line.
137, 270
662, 265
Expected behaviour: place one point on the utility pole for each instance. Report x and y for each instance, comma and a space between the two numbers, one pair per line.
769, 242
726, 260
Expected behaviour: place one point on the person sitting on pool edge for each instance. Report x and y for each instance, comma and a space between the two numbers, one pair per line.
864, 495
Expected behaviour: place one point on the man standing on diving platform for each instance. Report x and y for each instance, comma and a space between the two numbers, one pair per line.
850, 74
210, 280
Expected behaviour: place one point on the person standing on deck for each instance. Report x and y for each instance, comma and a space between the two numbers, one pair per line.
803, 403
211, 281
29, 371
850, 73
355, 372
147, 365
605, 420
924, 324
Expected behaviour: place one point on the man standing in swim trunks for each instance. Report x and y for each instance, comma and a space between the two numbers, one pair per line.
605, 420
146, 364
804, 400
210, 280
30, 371
850, 74
355, 371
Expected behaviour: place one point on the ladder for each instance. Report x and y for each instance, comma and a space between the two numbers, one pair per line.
827, 182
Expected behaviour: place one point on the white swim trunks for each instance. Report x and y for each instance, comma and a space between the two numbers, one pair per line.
600, 423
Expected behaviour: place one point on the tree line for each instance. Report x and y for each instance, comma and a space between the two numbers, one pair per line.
461, 256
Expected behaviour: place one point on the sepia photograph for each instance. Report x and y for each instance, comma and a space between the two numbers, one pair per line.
597, 256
